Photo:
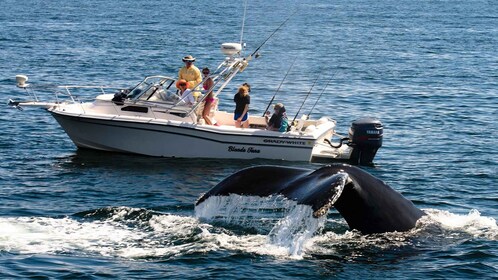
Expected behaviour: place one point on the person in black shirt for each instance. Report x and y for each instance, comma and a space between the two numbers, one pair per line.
242, 101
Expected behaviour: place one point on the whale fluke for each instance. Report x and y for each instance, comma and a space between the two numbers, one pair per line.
367, 204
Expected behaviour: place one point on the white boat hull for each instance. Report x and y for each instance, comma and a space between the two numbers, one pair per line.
183, 140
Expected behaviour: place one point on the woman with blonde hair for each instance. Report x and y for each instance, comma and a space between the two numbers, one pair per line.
242, 101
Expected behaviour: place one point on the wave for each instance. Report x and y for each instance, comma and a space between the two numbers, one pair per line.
289, 232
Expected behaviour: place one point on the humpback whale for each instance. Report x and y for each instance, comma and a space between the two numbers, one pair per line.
367, 203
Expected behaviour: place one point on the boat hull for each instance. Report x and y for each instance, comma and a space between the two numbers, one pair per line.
177, 139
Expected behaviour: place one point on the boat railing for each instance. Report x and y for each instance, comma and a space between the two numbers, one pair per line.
223, 74
62, 93
66, 94
144, 90
221, 77
66, 91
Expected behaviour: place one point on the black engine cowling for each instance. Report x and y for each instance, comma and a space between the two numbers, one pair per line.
365, 136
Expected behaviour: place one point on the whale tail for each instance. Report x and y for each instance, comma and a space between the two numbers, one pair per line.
366, 203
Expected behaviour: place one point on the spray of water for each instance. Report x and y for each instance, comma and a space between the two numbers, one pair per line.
296, 229
287, 224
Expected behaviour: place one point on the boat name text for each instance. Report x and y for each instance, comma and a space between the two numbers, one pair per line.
250, 150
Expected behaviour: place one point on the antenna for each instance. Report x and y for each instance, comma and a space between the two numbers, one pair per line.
243, 24
232, 49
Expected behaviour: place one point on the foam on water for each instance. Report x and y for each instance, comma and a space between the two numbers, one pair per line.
122, 233
473, 223
438, 228
48, 235
292, 233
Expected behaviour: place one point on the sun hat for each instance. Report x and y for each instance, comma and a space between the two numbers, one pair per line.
188, 58
181, 82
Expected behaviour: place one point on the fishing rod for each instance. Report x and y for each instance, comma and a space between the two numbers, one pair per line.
264, 112
316, 102
309, 92
232, 67
271, 35
240, 65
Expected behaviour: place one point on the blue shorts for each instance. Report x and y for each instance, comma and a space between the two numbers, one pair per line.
237, 115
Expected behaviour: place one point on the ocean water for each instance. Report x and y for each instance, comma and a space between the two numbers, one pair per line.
427, 69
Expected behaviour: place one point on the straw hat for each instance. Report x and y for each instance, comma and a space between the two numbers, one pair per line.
188, 58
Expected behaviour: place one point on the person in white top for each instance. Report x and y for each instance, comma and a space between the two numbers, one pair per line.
185, 93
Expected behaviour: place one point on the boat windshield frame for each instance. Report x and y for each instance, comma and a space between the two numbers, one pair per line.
161, 91
151, 86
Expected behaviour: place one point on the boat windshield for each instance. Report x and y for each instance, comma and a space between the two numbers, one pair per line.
155, 88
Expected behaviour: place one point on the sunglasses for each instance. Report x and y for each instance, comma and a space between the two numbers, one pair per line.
205, 73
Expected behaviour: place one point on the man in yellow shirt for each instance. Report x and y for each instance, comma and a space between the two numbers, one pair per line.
190, 72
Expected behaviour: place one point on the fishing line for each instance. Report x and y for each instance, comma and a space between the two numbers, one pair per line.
264, 42
319, 96
309, 92
279, 86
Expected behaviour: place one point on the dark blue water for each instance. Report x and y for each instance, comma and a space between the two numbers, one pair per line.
427, 69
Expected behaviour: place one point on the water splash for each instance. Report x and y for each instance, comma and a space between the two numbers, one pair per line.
296, 229
254, 212
288, 225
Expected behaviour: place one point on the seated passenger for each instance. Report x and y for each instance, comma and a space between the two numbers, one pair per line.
278, 121
186, 95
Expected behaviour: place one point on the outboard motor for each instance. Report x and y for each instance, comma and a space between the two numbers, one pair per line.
365, 136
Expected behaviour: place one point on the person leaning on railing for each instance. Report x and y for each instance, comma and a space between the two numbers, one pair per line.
209, 99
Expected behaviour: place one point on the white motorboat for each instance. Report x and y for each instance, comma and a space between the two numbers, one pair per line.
150, 119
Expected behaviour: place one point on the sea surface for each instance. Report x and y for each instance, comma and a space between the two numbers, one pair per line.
427, 69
